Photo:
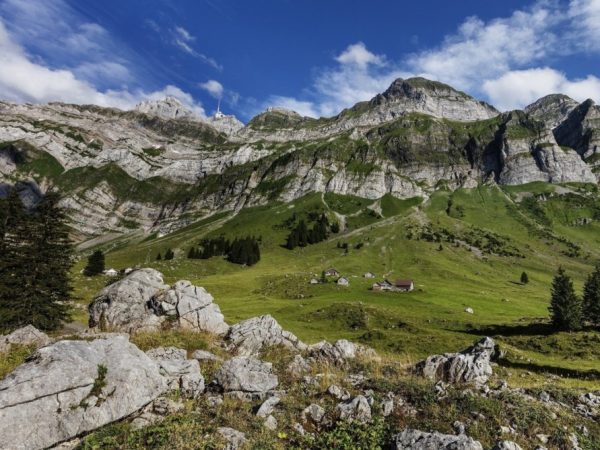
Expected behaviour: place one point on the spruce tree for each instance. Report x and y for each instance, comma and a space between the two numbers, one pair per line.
591, 296
192, 253
565, 305
524, 278
95, 264
159, 257
169, 254
34, 265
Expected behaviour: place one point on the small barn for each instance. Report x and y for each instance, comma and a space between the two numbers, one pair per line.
369, 275
343, 281
404, 285
332, 273
384, 285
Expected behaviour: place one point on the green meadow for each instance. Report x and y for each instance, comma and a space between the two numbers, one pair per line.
463, 249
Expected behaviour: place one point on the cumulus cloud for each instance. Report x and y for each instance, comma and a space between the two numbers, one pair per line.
359, 55
519, 88
503, 60
213, 87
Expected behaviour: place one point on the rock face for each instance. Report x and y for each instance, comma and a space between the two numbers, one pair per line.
249, 337
408, 141
244, 374
419, 440
141, 301
71, 387
469, 366
27, 335
168, 108
357, 409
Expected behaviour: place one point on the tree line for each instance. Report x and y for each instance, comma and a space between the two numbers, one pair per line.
36, 256
570, 311
301, 235
245, 250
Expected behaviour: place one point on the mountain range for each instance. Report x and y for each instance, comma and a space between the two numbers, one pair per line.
160, 167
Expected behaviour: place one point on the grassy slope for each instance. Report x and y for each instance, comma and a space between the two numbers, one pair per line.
429, 320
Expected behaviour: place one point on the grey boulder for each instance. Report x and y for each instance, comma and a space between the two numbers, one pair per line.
250, 337
358, 409
72, 387
339, 352
27, 335
141, 301
506, 445
245, 374
419, 440
181, 373
472, 365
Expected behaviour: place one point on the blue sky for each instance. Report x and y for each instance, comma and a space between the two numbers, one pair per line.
316, 57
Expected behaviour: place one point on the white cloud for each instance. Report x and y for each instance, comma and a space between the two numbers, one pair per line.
183, 39
213, 87
519, 88
23, 80
503, 59
359, 55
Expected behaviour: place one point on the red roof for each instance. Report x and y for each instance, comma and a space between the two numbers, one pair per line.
404, 283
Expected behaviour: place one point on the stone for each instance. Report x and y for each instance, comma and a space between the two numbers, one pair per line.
313, 413
339, 352
298, 367
337, 392
141, 301
203, 355
73, 387
235, 439
469, 310
506, 445
472, 365
357, 409
459, 427
214, 400
182, 374
165, 406
387, 405
27, 335
249, 337
270, 423
246, 374
418, 440
268, 406
167, 108
544, 397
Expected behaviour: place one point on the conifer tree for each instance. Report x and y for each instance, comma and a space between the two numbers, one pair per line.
34, 265
524, 278
192, 253
591, 296
169, 254
565, 305
95, 264
159, 257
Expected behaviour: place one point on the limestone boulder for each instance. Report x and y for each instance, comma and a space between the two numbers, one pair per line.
472, 365
181, 373
246, 374
27, 335
249, 337
339, 352
419, 440
72, 387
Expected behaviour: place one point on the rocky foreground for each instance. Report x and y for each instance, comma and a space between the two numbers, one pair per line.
260, 380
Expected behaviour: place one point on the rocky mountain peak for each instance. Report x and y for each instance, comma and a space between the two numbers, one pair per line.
275, 117
167, 108
552, 109
228, 124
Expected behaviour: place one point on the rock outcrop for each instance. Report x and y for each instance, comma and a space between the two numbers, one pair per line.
472, 365
27, 335
167, 108
141, 301
339, 352
250, 337
182, 374
246, 375
71, 387
419, 440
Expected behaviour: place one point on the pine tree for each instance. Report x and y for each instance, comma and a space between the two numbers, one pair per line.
34, 265
335, 227
159, 257
192, 253
591, 296
565, 305
95, 264
302, 233
169, 254
524, 278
